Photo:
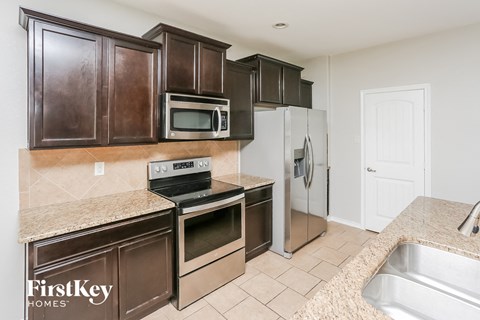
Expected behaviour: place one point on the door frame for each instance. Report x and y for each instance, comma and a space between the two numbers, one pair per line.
426, 87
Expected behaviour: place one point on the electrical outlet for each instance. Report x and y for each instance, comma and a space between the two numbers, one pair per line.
99, 168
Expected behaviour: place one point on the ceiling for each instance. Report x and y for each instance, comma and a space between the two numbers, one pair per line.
316, 27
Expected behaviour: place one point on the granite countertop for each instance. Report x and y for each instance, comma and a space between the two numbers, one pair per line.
427, 221
246, 181
52, 220
57, 219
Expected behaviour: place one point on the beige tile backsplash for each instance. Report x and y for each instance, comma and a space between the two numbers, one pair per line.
55, 176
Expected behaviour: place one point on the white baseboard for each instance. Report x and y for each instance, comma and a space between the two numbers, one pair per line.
346, 222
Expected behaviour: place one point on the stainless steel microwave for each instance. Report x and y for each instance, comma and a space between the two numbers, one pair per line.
188, 117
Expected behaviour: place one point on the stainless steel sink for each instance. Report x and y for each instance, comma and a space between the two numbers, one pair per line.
419, 282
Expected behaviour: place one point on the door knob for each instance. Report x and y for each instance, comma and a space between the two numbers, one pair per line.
371, 170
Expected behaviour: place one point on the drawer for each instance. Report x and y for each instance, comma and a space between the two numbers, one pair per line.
258, 194
71, 244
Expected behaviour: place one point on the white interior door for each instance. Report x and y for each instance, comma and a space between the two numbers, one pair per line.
394, 153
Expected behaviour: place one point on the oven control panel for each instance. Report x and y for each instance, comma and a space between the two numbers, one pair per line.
172, 168
183, 165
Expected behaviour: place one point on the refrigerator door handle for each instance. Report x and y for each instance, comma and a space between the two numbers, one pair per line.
306, 163
310, 161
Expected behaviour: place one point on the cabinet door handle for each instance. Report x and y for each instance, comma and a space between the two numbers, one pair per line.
371, 170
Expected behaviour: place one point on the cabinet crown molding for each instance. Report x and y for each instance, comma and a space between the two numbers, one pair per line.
259, 56
162, 28
25, 15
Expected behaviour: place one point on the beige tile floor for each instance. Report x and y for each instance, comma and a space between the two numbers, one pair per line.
274, 287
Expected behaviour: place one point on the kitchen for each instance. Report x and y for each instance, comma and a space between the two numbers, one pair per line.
448, 60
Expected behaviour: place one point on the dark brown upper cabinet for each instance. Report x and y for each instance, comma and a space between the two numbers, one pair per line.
180, 64
132, 88
212, 62
276, 82
65, 86
306, 93
239, 88
88, 86
291, 85
269, 88
192, 63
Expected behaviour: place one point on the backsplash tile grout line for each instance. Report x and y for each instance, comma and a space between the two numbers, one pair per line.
63, 175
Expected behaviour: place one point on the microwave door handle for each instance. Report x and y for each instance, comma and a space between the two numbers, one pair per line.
219, 123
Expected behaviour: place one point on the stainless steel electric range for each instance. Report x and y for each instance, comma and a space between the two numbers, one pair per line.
210, 226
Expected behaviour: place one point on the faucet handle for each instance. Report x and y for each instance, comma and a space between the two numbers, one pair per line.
475, 230
469, 226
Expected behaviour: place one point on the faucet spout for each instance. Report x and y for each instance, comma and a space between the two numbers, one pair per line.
469, 226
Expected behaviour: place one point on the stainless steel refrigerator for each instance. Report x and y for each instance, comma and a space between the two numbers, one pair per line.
290, 147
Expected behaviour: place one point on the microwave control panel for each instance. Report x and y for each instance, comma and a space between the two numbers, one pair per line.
224, 120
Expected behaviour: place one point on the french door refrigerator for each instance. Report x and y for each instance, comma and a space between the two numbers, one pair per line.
290, 147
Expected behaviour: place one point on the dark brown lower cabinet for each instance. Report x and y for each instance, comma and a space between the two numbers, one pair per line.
145, 281
258, 221
97, 268
119, 271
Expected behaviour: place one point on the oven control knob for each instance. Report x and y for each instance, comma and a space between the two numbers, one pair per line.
164, 168
205, 163
157, 169
200, 164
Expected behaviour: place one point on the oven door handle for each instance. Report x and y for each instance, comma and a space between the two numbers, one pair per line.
212, 205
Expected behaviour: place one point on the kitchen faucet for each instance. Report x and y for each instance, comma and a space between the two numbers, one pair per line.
469, 226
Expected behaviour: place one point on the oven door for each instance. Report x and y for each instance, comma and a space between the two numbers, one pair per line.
209, 232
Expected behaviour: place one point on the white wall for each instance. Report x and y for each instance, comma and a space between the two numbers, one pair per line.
13, 86
450, 61
317, 70
12, 129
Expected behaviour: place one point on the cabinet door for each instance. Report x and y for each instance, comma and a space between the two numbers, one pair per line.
306, 94
239, 89
65, 98
145, 275
180, 64
212, 70
291, 86
258, 228
132, 93
99, 268
269, 82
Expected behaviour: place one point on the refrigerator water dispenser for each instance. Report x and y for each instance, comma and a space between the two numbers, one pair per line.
298, 163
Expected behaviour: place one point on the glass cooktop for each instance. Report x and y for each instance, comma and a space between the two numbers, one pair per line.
198, 192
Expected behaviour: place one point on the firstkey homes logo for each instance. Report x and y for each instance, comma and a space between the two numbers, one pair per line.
57, 294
